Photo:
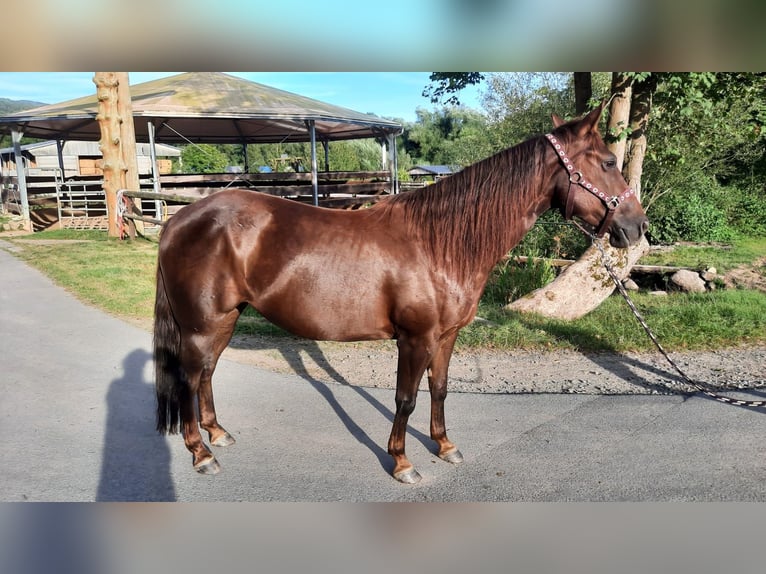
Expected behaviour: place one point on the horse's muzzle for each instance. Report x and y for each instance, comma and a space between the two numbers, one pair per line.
625, 234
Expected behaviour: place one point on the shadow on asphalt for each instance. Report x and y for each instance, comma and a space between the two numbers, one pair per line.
293, 352
136, 459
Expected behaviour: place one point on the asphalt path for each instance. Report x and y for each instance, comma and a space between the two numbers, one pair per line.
77, 424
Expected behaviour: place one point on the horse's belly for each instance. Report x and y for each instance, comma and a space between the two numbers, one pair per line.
328, 321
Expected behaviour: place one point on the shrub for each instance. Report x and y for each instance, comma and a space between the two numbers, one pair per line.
696, 212
511, 280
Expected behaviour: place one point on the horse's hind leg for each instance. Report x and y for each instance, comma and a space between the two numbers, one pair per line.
200, 354
437, 384
208, 420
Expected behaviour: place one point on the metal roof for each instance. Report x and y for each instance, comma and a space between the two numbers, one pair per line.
431, 170
207, 107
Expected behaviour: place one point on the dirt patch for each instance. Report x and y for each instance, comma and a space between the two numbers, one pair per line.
373, 364
752, 276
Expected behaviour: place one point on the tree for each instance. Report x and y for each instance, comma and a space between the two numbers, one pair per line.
117, 141
203, 158
584, 285
535, 94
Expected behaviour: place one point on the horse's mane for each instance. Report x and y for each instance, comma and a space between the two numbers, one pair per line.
469, 220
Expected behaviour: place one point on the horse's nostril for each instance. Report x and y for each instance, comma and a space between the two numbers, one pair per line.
644, 226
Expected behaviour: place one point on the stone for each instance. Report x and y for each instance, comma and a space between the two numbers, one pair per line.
709, 274
688, 281
630, 285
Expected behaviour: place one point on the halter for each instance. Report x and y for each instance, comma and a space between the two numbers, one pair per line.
611, 203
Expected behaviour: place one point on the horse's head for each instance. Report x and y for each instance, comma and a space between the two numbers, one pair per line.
588, 184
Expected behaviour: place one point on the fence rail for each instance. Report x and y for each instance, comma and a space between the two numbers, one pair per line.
80, 202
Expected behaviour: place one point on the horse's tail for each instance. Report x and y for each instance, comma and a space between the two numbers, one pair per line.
169, 379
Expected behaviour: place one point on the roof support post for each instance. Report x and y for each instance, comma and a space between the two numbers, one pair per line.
393, 163
21, 175
155, 171
314, 177
60, 154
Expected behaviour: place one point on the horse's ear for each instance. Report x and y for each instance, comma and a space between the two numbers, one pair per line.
589, 123
557, 121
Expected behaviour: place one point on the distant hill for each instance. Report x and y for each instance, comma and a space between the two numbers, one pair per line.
11, 106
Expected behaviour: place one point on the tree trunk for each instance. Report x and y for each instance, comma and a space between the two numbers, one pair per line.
118, 140
583, 89
582, 286
585, 284
641, 102
128, 147
619, 116
111, 164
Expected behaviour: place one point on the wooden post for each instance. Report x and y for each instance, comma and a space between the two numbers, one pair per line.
118, 141
128, 147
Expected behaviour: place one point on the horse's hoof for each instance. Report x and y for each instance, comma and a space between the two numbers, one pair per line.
224, 440
453, 456
408, 476
208, 466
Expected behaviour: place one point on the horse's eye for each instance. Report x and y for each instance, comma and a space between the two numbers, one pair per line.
610, 164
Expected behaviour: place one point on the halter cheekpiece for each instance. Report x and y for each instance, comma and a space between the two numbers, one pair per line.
577, 177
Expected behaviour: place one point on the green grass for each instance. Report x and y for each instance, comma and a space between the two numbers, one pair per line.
118, 276
723, 258
697, 321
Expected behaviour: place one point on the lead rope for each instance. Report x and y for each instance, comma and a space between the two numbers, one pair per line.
642, 322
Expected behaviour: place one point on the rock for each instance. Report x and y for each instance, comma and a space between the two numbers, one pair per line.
658, 293
630, 285
709, 274
688, 281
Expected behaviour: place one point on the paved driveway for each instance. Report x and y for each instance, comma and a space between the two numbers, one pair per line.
77, 421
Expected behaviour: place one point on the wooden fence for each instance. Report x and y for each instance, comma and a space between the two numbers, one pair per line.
79, 202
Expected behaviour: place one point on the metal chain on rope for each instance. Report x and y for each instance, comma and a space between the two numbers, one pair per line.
621, 288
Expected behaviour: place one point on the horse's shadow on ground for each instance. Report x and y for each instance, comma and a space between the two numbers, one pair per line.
294, 351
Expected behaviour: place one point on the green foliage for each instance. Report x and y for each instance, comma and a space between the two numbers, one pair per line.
445, 86
355, 155
511, 280
705, 172
449, 136
203, 158
696, 214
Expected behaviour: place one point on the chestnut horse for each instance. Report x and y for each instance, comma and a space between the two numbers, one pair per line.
411, 268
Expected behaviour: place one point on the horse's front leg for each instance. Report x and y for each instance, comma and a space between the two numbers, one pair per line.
437, 384
414, 355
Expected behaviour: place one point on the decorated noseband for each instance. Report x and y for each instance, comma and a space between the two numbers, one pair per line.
611, 202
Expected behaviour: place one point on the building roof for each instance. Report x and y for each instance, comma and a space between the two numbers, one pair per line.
207, 107
79, 148
431, 170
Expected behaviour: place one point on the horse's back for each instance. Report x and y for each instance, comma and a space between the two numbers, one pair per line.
319, 273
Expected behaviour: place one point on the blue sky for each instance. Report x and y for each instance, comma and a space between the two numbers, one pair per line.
386, 94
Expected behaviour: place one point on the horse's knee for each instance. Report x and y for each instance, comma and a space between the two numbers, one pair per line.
439, 394
405, 406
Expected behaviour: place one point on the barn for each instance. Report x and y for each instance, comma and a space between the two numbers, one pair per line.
80, 158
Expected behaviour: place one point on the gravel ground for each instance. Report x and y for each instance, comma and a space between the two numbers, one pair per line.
374, 365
